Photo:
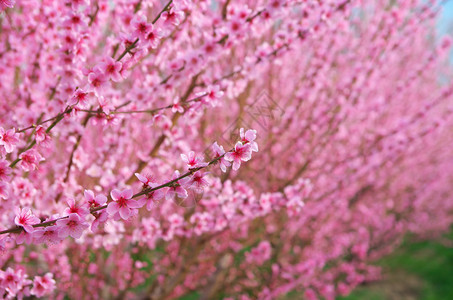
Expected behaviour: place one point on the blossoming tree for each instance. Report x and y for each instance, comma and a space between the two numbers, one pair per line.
227, 149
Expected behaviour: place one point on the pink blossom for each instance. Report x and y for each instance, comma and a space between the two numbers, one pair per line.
295, 205
6, 4
235, 26
29, 160
110, 68
152, 38
260, 253
8, 139
122, 203
140, 26
249, 137
98, 80
274, 5
145, 179
197, 181
25, 219
172, 17
4, 190
240, 153
209, 48
176, 65
25, 236
49, 235
153, 197
73, 226
74, 208
3, 243
13, 281
201, 222
193, 161
80, 98
219, 155
100, 217
43, 286
177, 107
162, 121
93, 201
40, 134
5, 170
194, 60
176, 189
75, 20
213, 94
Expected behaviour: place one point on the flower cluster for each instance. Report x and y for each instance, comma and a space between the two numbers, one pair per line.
77, 217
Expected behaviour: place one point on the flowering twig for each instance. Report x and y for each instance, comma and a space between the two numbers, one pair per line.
134, 44
149, 111
141, 193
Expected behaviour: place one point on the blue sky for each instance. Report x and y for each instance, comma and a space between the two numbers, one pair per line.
446, 18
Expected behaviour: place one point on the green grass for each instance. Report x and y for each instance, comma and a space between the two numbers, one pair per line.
429, 262
417, 270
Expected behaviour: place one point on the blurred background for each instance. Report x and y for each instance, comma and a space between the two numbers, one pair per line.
419, 269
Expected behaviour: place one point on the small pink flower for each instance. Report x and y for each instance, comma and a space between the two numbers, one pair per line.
176, 189
294, 205
75, 20
8, 139
202, 222
43, 286
213, 94
194, 60
145, 179
219, 151
47, 235
197, 181
177, 107
235, 26
4, 190
249, 137
241, 153
3, 243
153, 197
72, 226
122, 203
40, 134
24, 237
25, 219
13, 281
97, 80
30, 160
172, 17
152, 38
93, 201
80, 209
275, 5
6, 4
176, 64
100, 218
140, 26
193, 161
111, 68
210, 47
260, 253
5, 170
105, 105
80, 98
